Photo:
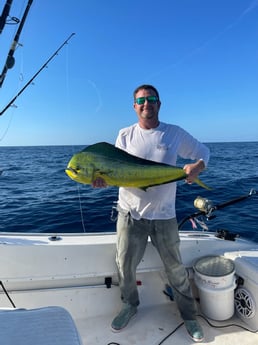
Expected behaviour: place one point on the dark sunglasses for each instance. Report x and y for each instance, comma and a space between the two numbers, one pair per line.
150, 99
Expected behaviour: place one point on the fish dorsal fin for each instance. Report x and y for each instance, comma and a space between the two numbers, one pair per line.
101, 147
116, 153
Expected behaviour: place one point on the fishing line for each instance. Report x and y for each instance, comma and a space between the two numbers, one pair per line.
7, 127
81, 210
252, 6
20, 80
79, 198
99, 105
10, 60
36, 74
67, 79
68, 99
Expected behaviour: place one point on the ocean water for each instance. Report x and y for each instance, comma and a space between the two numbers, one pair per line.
37, 195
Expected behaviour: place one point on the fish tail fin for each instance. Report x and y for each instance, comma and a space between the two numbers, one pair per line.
202, 184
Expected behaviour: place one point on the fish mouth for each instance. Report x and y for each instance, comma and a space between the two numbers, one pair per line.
71, 172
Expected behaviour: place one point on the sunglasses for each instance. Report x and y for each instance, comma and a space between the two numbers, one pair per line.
150, 99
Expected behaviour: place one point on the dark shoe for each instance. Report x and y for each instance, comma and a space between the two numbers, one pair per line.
194, 330
122, 319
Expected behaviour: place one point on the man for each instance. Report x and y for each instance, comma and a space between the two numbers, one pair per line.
151, 213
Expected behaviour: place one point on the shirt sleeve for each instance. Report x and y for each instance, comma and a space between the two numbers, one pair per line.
191, 148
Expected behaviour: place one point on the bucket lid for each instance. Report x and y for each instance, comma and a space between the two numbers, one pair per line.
214, 266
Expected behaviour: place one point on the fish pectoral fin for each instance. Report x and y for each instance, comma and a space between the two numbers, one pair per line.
106, 172
100, 174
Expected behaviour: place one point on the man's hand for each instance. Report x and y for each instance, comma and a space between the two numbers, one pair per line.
193, 170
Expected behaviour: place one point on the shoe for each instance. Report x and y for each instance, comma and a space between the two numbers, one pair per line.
194, 330
122, 319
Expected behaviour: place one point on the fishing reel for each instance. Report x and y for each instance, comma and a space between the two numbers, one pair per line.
204, 205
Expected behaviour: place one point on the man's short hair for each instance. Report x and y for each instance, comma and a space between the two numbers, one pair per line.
145, 87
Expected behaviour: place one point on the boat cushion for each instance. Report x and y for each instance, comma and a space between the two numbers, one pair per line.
48, 326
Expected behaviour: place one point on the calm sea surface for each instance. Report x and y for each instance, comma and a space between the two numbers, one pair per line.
37, 195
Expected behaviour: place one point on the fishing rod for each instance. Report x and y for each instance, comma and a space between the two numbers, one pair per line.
5, 14
36, 74
10, 61
206, 207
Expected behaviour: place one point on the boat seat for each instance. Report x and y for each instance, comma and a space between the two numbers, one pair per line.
48, 326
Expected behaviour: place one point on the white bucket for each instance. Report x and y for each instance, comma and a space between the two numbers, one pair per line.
217, 304
214, 272
215, 279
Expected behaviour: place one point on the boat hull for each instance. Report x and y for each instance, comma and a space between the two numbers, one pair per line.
78, 273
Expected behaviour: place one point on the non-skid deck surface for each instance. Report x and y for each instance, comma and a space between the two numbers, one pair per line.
162, 325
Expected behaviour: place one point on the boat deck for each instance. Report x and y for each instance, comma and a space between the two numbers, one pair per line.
71, 272
162, 325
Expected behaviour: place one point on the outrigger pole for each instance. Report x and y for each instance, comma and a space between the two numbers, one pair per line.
36, 74
5, 14
9, 63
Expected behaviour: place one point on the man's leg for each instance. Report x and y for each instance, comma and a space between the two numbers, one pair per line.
131, 243
166, 239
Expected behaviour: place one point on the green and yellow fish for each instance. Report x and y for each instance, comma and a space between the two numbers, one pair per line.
119, 168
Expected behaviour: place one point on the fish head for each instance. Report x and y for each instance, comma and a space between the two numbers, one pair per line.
81, 168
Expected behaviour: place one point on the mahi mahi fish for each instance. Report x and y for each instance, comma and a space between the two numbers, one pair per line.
119, 168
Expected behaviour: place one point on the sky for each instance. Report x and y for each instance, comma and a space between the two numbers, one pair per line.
202, 56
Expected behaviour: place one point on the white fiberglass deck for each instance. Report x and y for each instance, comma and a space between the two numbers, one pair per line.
71, 272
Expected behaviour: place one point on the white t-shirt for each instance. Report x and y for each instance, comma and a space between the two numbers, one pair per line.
161, 144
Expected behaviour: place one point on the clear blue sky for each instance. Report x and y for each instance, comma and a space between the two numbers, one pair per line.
202, 55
